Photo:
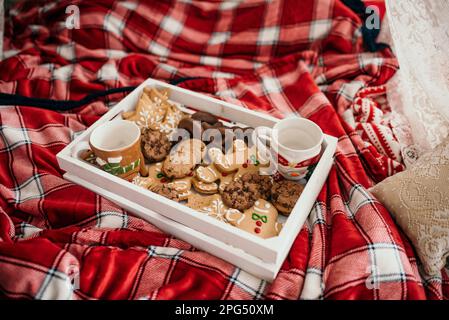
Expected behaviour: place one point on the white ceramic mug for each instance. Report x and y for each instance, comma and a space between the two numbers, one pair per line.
294, 146
116, 145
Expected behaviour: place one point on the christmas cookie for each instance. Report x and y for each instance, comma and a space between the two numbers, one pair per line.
155, 178
171, 120
183, 158
204, 187
198, 123
260, 219
229, 162
166, 191
210, 174
285, 194
212, 206
204, 116
155, 145
246, 168
150, 110
242, 193
144, 182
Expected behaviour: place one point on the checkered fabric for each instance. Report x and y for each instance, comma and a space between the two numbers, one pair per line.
61, 241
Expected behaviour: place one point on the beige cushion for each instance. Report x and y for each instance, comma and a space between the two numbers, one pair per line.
418, 198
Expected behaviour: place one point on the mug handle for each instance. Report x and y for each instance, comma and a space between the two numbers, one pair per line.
143, 168
81, 146
260, 136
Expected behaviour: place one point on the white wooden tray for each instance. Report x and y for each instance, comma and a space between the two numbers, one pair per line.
261, 257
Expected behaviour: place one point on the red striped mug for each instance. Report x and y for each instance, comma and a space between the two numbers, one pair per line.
293, 146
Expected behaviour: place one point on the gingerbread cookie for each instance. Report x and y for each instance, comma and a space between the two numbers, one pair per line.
242, 193
183, 158
210, 174
205, 187
212, 206
285, 194
144, 182
260, 219
155, 145
156, 177
231, 161
150, 109
171, 120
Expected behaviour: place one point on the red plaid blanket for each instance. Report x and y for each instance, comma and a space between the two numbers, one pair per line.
59, 240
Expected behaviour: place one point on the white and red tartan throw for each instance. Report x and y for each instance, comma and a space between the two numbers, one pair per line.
59, 240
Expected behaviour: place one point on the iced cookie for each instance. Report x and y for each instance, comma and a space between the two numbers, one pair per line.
182, 187
155, 145
183, 158
212, 206
242, 193
171, 120
204, 187
150, 109
144, 182
229, 162
260, 219
285, 194
210, 174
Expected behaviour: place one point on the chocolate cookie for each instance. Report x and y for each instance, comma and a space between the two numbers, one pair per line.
284, 195
241, 194
201, 121
205, 117
263, 183
155, 145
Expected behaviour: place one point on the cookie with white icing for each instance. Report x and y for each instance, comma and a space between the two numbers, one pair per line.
231, 161
210, 174
176, 189
150, 110
205, 187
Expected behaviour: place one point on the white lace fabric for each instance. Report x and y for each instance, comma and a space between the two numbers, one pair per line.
420, 90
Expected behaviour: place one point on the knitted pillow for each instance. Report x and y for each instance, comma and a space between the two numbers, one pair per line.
418, 198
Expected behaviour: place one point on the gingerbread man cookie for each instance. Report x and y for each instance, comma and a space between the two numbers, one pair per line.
260, 219
183, 158
212, 206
